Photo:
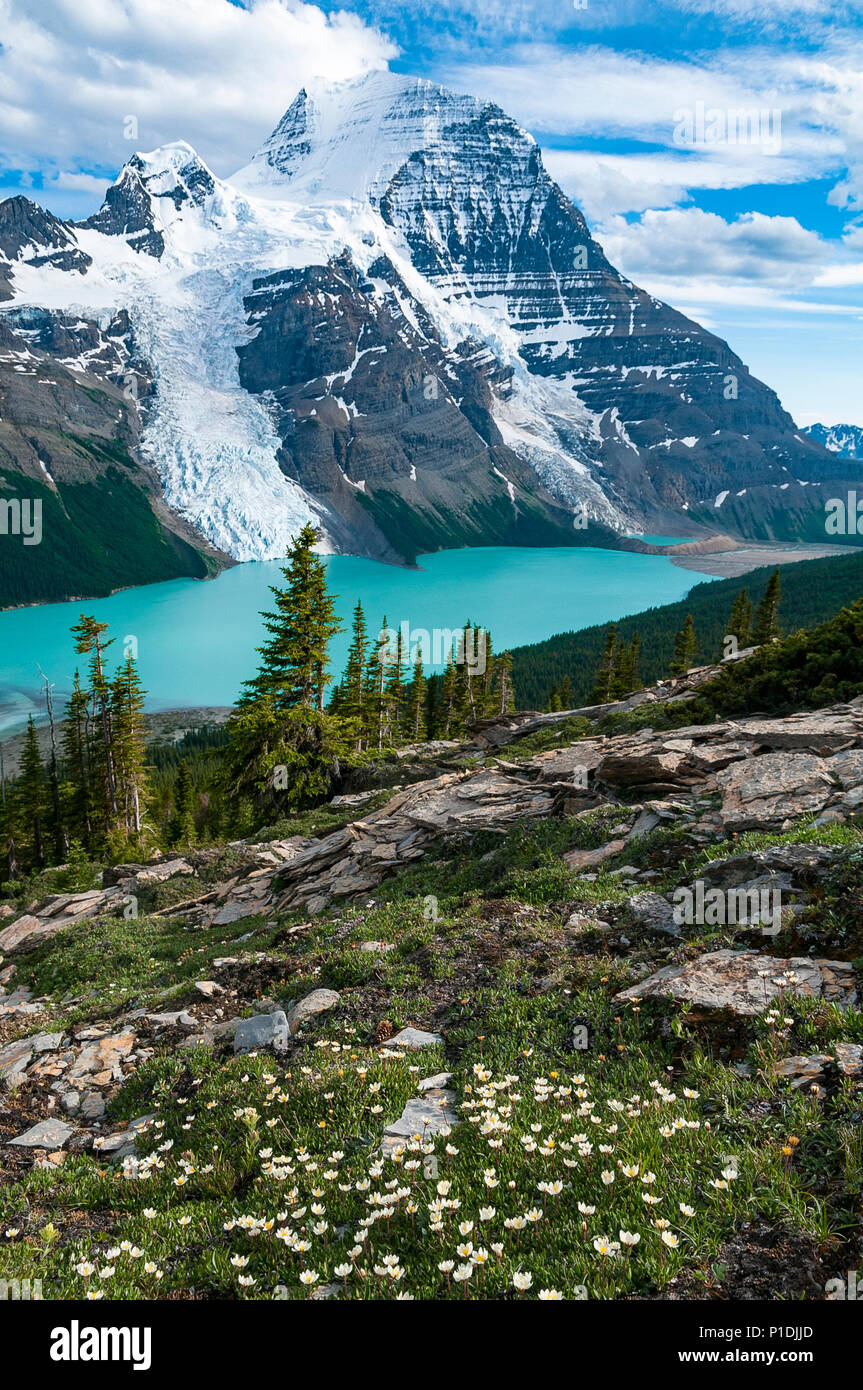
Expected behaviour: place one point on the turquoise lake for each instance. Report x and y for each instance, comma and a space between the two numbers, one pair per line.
196, 641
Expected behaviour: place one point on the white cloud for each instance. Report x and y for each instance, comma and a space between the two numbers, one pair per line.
212, 73
605, 184
759, 12
80, 183
691, 258
600, 94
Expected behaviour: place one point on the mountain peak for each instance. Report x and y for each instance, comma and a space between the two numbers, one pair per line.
349, 138
32, 235
150, 192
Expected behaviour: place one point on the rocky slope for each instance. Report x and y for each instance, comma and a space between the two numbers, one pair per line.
514, 911
685, 790
394, 322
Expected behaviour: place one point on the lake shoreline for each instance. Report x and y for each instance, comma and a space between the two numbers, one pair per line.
731, 564
197, 643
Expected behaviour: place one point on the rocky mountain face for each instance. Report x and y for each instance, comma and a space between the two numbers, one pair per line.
659, 803
31, 236
392, 433
70, 440
395, 323
844, 440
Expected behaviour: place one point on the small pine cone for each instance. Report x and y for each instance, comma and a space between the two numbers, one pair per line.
383, 1031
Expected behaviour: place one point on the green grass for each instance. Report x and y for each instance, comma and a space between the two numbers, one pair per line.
249, 1159
246, 1157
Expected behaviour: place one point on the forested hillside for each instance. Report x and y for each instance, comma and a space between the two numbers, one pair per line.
812, 591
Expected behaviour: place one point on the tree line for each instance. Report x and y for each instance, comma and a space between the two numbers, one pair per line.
812, 591
291, 737
289, 742
88, 796
618, 671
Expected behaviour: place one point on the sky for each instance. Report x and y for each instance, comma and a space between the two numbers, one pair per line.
715, 146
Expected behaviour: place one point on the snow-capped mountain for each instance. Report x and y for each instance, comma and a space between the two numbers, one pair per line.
844, 440
394, 322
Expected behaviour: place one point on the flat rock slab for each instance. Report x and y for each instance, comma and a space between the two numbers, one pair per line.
664, 769
234, 910
423, 1116
435, 1083
158, 873
101, 1057
412, 1039
55, 913
773, 788
264, 1030
179, 1019
801, 1071
849, 1058
745, 983
12, 936
16, 1056
819, 731
778, 865
121, 1144
653, 911
48, 1134
647, 821
318, 1002
585, 858
847, 767
92, 1106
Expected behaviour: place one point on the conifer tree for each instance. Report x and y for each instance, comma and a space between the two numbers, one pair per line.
30, 789
449, 693
740, 622
58, 827
88, 636
294, 668
416, 702
486, 677
8, 827
76, 757
566, 693
625, 678
353, 694
505, 700
471, 660
767, 627
376, 686
394, 693
434, 686
181, 826
633, 663
284, 750
127, 704
685, 647
604, 686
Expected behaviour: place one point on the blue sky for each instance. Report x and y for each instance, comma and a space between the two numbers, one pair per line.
715, 148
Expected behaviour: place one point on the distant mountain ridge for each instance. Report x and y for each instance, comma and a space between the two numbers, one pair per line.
394, 323
844, 440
